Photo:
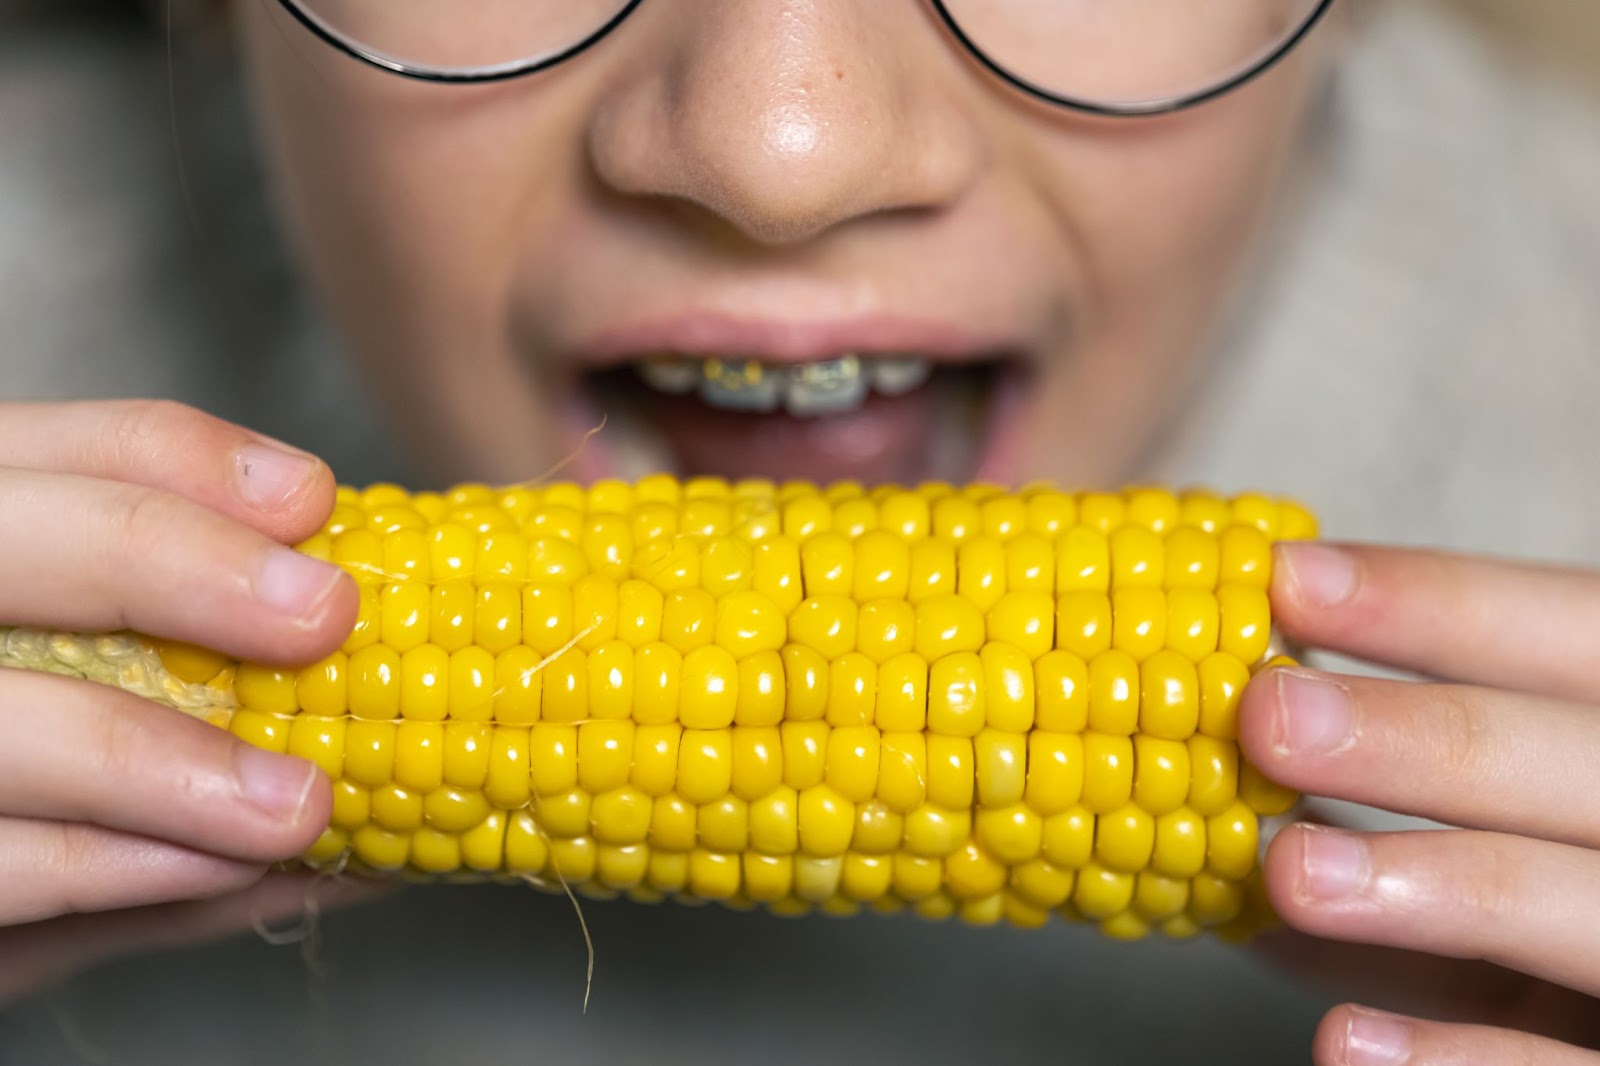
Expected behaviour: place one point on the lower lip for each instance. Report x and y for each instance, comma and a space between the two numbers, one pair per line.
888, 440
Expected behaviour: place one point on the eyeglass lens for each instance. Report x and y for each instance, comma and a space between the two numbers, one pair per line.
1113, 52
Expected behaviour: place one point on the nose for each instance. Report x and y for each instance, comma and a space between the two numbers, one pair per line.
784, 118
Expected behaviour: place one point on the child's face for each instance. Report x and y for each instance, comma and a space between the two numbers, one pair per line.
786, 181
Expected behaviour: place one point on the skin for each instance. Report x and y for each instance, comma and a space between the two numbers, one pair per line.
748, 154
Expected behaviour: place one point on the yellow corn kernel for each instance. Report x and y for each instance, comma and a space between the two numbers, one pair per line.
1245, 626
419, 755
1125, 838
882, 568
1083, 561
708, 688
852, 690
903, 770
1101, 892
1024, 620
851, 762
1000, 764
1213, 775
934, 832
497, 617
948, 625
933, 570
672, 823
956, 695
321, 689
705, 764
1083, 623
1107, 771
885, 629
761, 691
725, 565
902, 700
806, 683
1012, 834
1222, 679
1042, 883
1055, 769
1180, 844
1161, 774
826, 821
768, 878
951, 775
466, 754
397, 809
879, 830
775, 822
805, 753
320, 740
507, 784
724, 825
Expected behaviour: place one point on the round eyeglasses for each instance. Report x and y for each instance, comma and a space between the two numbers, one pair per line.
1106, 57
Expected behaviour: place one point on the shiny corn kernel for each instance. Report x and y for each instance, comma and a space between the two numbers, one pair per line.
1083, 623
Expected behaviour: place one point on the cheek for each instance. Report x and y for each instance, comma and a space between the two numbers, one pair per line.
393, 186
1170, 205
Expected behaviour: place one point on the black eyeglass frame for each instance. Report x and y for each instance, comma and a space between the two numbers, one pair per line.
523, 68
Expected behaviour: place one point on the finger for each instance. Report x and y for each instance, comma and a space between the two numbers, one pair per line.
48, 869
280, 491
1456, 754
76, 751
1358, 1036
100, 555
1519, 903
44, 953
1499, 624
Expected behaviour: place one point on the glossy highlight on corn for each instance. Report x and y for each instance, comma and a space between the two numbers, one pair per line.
966, 701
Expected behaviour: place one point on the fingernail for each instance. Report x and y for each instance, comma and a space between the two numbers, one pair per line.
293, 583
267, 476
1334, 864
1313, 715
1323, 576
275, 783
1373, 1039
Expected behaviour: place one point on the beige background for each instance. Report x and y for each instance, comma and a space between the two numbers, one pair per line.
1422, 366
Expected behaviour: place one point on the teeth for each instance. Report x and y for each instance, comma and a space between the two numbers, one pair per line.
806, 391
741, 386
896, 377
826, 388
671, 375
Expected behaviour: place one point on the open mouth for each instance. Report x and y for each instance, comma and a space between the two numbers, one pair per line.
875, 418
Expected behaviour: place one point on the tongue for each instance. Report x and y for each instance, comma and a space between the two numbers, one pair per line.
886, 440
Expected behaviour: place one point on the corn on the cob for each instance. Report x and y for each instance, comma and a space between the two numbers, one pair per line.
972, 702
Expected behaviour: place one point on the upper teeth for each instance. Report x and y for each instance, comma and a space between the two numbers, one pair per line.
831, 386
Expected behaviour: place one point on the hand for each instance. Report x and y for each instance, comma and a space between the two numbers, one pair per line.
152, 517
1492, 929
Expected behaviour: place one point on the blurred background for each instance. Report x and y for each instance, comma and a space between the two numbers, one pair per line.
1422, 365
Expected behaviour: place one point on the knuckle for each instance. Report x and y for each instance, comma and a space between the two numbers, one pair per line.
1493, 885
123, 747
142, 524
142, 432
1460, 733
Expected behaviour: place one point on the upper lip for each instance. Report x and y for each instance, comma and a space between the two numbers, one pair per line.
773, 340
